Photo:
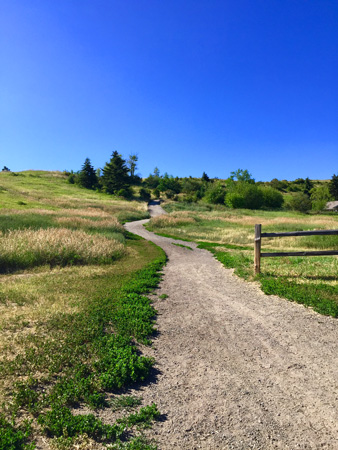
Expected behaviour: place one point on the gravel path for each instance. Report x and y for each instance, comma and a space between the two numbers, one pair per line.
237, 369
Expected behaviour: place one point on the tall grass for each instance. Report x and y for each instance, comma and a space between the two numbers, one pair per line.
229, 234
20, 249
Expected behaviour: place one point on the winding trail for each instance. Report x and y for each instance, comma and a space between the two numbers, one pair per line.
237, 369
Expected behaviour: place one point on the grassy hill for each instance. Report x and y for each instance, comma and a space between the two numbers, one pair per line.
71, 311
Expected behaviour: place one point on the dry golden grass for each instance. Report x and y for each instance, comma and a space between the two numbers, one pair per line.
108, 222
171, 221
28, 248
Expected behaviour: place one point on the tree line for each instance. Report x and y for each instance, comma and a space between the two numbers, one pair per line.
239, 190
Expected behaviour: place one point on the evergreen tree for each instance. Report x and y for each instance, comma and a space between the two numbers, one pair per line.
205, 177
333, 187
308, 185
87, 177
132, 164
115, 174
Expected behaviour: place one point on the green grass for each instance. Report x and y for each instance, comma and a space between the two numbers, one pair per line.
70, 328
183, 246
229, 235
86, 355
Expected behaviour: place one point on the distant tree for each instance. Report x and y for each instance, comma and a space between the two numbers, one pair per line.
333, 187
320, 195
87, 177
205, 177
242, 175
156, 172
299, 202
169, 183
115, 174
308, 185
272, 198
132, 164
244, 195
153, 179
215, 193
280, 185
5, 169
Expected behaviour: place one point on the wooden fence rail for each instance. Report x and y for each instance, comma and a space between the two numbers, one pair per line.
258, 242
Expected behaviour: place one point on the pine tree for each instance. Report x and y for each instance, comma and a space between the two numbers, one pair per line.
205, 177
308, 185
333, 187
115, 174
132, 164
87, 177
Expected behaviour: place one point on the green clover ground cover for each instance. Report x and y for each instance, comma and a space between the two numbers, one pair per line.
76, 368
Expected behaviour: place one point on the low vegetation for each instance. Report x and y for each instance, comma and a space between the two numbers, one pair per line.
74, 311
229, 234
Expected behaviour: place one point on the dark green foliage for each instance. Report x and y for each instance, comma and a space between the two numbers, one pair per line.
145, 194
87, 177
132, 164
169, 183
14, 438
115, 174
333, 187
215, 194
72, 178
126, 193
153, 180
242, 175
280, 185
244, 195
61, 422
319, 296
299, 202
272, 198
205, 177
156, 193
308, 185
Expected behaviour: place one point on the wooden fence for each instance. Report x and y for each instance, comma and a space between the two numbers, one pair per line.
258, 240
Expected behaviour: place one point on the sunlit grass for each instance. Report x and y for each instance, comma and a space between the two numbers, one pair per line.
20, 249
229, 234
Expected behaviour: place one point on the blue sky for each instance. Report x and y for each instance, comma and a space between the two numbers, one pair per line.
190, 86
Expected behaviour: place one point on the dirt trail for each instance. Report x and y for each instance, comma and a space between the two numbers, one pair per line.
238, 369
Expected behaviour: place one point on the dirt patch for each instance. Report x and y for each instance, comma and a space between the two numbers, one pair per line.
237, 369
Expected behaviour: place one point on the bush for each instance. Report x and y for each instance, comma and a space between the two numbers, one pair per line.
272, 198
320, 195
145, 194
126, 193
215, 194
156, 193
244, 195
299, 202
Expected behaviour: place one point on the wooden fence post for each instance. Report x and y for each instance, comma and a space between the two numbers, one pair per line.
257, 260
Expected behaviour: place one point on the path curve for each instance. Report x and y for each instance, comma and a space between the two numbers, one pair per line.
238, 369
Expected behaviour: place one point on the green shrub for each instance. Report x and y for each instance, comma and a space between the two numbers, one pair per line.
272, 198
126, 192
215, 194
244, 195
145, 194
299, 202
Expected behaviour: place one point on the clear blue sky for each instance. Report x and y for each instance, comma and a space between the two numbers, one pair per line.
190, 86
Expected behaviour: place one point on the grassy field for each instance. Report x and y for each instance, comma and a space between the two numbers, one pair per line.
229, 234
71, 279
